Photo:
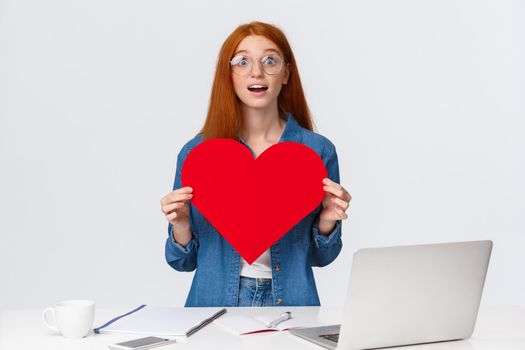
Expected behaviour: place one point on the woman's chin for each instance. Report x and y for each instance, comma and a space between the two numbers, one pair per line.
260, 104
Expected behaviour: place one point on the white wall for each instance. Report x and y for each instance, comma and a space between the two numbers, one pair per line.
423, 100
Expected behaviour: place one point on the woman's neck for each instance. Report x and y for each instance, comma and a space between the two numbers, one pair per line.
262, 125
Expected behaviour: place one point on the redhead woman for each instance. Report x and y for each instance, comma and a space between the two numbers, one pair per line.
256, 99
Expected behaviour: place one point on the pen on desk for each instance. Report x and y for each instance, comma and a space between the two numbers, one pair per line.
206, 322
284, 316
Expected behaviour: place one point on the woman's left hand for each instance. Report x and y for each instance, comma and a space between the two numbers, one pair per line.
335, 203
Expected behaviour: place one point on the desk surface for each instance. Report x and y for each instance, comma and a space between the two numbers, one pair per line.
497, 328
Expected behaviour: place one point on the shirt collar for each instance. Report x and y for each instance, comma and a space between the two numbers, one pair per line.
291, 130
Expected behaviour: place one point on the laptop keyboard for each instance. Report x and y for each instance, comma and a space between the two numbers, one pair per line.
332, 337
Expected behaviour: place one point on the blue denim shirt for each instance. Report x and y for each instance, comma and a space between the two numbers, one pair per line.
217, 264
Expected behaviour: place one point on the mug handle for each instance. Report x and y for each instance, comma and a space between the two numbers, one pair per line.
46, 322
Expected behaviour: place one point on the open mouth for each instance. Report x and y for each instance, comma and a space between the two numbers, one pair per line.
257, 88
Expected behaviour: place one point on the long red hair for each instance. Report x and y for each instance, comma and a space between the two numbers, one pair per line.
224, 117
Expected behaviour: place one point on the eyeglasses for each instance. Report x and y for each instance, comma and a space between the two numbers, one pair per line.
242, 65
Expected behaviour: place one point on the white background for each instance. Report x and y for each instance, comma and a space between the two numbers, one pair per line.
424, 101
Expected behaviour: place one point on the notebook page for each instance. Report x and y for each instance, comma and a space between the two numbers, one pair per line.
164, 321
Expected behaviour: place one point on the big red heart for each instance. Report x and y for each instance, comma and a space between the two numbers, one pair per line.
251, 202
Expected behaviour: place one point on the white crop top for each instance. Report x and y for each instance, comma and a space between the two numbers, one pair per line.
260, 268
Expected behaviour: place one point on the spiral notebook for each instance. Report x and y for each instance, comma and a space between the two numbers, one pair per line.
161, 321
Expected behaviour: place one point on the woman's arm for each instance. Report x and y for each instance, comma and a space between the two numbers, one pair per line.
326, 231
181, 258
182, 243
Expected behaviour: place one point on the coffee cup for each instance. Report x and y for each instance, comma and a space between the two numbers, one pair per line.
72, 318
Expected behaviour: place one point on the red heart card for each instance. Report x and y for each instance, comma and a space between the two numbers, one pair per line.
251, 202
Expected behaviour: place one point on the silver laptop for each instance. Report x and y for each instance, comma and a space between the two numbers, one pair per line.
408, 295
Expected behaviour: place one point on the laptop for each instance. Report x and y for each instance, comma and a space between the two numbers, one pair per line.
408, 295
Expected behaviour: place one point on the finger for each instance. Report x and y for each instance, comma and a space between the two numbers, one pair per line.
186, 189
328, 181
167, 199
340, 203
170, 207
337, 210
328, 196
339, 191
336, 214
342, 215
336, 190
178, 197
328, 200
172, 216
164, 200
344, 193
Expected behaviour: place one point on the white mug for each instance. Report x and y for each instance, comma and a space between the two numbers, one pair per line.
72, 318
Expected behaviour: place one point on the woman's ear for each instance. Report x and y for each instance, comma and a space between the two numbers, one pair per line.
286, 74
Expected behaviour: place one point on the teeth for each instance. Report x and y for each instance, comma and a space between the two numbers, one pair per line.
256, 86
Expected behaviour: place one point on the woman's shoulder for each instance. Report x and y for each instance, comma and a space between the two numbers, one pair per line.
189, 145
318, 142
312, 136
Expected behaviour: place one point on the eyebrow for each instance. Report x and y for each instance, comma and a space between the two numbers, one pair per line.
267, 50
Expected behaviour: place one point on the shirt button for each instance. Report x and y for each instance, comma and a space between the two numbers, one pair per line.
277, 268
279, 301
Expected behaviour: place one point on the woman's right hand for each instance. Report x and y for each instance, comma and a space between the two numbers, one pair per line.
176, 209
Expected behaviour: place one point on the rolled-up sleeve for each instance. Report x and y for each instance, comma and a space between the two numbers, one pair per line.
325, 248
178, 257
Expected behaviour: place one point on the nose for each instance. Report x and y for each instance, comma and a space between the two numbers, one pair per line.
256, 70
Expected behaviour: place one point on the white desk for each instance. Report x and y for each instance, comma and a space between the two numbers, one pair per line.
497, 328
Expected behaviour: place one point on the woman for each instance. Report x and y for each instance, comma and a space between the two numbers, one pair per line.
256, 99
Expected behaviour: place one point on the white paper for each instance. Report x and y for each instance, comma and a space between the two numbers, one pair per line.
161, 321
